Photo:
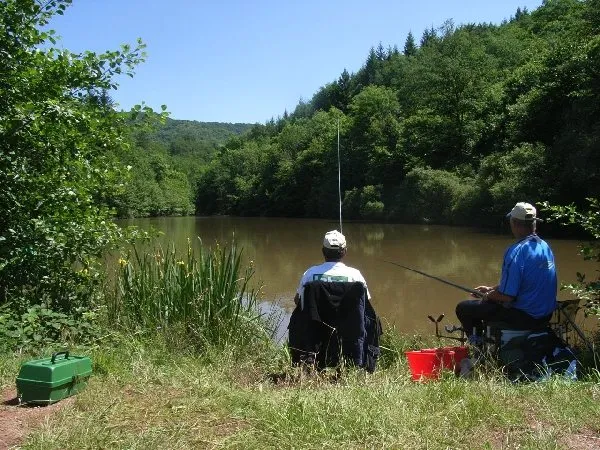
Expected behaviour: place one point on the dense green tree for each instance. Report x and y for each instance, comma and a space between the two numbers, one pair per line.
429, 37
455, 75
326, 97
557, 100
199, 138
433, 196
368, 73
365, 203
344, 91
58, 137
518, 173
154, 187
410, 47
375, 132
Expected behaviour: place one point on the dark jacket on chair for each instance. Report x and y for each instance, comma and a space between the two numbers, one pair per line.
337, 319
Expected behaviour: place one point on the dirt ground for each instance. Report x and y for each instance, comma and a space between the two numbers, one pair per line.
17, 421
582, 441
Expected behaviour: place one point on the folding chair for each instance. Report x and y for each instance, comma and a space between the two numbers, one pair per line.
335, 321
563, 319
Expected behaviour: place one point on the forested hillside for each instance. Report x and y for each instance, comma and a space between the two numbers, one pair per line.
453, 127
165, 163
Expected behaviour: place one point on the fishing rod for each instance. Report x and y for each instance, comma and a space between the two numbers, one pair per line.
339, 173
466, 289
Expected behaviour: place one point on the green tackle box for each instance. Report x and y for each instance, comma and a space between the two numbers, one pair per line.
49, 380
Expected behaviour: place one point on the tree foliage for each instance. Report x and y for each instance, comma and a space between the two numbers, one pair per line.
58, 136
482, 114
410, 47
588, 219
164, 164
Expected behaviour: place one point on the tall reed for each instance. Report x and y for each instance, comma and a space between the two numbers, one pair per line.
205, 295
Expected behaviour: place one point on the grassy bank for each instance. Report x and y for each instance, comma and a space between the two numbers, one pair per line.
186, 362
144, 395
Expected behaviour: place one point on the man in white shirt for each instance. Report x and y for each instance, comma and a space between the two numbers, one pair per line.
333, 269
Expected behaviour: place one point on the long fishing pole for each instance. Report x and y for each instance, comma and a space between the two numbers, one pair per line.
339, 173
466, 289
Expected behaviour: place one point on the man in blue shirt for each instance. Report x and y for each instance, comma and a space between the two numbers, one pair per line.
525, 298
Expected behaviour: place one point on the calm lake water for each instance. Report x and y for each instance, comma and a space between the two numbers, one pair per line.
282, 249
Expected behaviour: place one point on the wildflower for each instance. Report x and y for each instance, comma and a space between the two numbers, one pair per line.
180, 263
122, 262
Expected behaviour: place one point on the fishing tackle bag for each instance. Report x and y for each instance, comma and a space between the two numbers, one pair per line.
535, 355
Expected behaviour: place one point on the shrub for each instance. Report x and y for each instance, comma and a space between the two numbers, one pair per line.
430, 195
38, 327
589, 221
364, 203
518, 174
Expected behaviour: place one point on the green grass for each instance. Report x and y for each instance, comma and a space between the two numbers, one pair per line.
145, 396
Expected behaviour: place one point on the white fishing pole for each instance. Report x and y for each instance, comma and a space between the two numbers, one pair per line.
339, 173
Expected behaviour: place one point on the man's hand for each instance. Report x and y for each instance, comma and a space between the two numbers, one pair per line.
492, 294
483, 290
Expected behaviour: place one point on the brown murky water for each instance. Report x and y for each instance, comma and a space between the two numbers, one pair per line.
283, 248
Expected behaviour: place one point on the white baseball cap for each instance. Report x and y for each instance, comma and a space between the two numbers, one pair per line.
523, 211
334, 240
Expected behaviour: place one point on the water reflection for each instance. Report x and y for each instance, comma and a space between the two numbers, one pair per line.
283, 248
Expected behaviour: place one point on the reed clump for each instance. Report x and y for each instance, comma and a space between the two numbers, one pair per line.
201, 297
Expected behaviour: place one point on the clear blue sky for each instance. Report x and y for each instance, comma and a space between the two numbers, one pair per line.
248, 61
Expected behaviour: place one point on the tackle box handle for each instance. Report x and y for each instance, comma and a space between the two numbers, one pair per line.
54, 355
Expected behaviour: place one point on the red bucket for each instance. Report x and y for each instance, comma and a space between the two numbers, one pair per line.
451, 356
428, 364
460, 353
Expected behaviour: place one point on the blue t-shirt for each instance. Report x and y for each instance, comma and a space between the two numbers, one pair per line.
529, 275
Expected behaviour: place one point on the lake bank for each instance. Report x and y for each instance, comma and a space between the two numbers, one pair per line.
144, 394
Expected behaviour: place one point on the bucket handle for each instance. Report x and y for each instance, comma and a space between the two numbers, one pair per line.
54, 355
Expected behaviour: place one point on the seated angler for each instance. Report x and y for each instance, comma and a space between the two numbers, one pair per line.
333, 315
525, 298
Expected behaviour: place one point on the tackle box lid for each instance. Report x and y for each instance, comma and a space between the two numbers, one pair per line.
58, 370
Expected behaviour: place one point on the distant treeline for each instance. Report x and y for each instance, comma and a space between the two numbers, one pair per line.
451, 128
165, 163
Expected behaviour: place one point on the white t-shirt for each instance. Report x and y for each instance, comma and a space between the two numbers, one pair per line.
330, 271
